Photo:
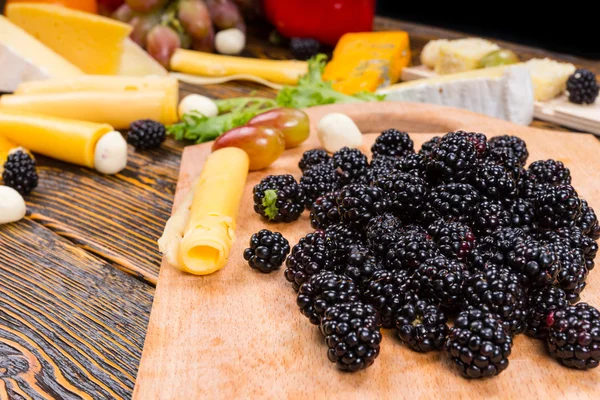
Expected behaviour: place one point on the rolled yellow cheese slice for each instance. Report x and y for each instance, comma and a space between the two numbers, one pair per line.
209, 233
118, 109
6, 146
72, 141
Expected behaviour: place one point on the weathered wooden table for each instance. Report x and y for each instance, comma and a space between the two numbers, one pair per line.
77, 275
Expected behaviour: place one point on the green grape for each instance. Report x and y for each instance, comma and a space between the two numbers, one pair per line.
292, 122
498, 58
162, 42
263, 145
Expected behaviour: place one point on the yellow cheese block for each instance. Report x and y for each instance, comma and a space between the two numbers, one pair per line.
206, 64
62, 139
118, 109
91, 42
23, 58
209, 233
136, 62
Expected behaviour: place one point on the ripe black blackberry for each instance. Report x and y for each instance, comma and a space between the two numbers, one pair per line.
478, 344
406, 194
382, 232
573, 272
454, 159
493, 182
429, 145
318, 181
441, 280
339, 239
19, 172
492, 250
543, 303
410, 251
453, 201
489, 217
382, 166
535, 261
392, 143
515, 144
146, 134
574, 238
388, 292
351, 165
522, 214
557, 206
454, 239
422, 326
324, 211
549, 171
498, 291
361, 265
324, 290
413, 164
358, 203
507, 159
267, 251
582, 87
304, 48
352, 334
588, 222
313, 157
307, 258
279, 198
574, 336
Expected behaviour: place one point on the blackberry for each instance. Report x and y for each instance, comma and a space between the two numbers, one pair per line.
549, 171
406, 194
339, 239
324, 290
19, 172
324, 211
507, 159
453, 239
388, 292
392, 143
536, 262
361, 265
582, 87
453, 201
413, 164
307, 258
267, 251
522, 214
279, 198
352, 334
557, 206
543, 303
313, 157
494, 183
382, 232
422, 326
318, 181
574, 336
383, 166
492, 250
588, 222
442, 280
304, 48
410, 251
478, 344
498, 291
454, 159
358, 203
573, 272
489, 217
351, 165
146, 134
429, 145
575, 239
515, 144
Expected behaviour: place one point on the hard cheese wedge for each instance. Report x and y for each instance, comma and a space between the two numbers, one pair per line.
462, 55
66, 140
136, 62
23, 59
91, 42
118, 109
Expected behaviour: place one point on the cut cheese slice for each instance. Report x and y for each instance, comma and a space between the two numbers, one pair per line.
118, 109
549, 77
23, 59
503, 92
91, 42
462, 55
136, 62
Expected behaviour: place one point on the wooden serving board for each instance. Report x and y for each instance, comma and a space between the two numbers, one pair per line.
559, 111
237, 334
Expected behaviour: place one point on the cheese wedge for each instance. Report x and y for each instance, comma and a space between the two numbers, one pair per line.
198, 237
136, 62
462, 55
23, 59
91, 42
207, 64
549, 77
118, 109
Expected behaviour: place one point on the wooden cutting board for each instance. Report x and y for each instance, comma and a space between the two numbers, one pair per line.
237, 334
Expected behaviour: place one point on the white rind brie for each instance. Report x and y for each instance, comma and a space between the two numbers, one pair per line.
17, 69
508, 96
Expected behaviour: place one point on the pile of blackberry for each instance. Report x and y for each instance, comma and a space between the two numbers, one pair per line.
461, 230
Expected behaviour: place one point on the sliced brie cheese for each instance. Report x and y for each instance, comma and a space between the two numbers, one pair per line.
505, 93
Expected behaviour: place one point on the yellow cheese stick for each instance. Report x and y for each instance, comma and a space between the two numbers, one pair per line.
207, 64
6, 146
83, 143
209, 233
118, 109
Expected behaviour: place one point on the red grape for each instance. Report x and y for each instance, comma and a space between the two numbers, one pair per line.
293, 123
144, 6
225, 14
162, 42
142, 24
195, 18
124, 13
206, 44
263, 145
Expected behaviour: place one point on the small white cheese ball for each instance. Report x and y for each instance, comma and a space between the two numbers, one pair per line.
12, 205
110, 155
199, 103
230, 41
337, 130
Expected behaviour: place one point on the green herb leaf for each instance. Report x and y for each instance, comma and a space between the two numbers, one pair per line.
269, 202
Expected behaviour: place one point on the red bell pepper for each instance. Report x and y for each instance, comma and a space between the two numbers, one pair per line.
324, 20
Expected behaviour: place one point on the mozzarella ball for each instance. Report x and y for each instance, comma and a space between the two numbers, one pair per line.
110, 154
12, 205
230, 41
198, 103
337, 130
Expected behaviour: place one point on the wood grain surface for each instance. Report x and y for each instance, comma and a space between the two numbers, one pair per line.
238, 333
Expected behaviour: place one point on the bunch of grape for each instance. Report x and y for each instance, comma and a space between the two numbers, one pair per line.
162, 26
